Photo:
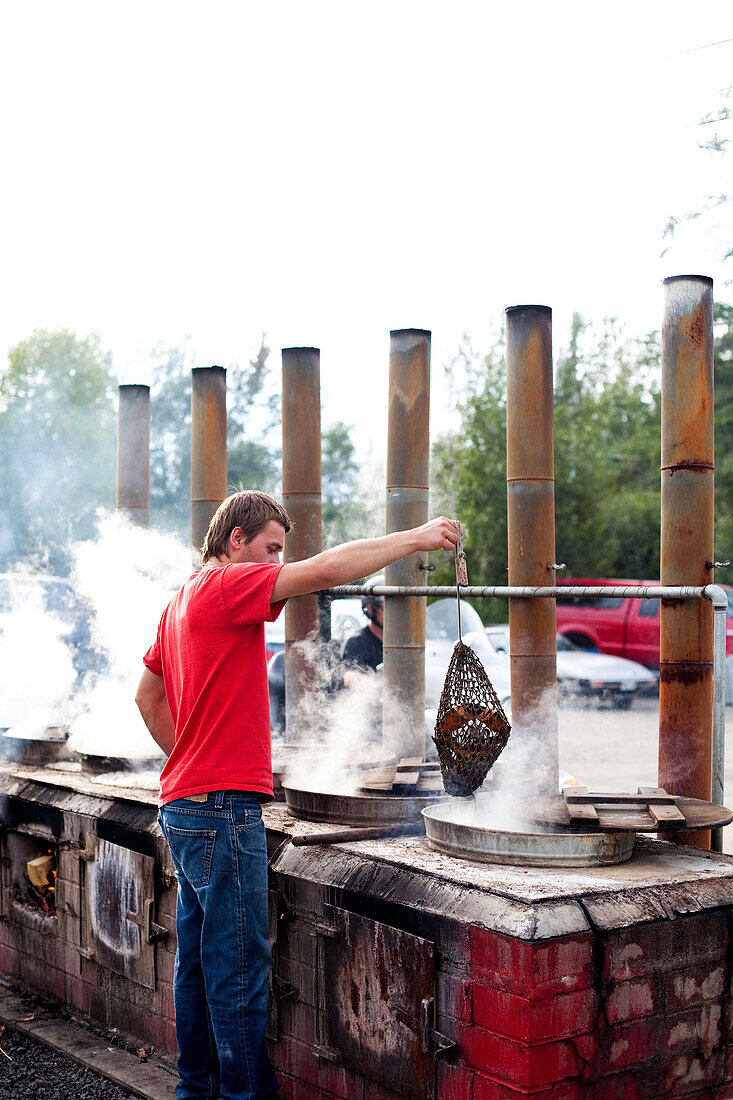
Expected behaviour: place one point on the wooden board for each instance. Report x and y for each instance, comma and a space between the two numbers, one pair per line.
631, 816
653, 803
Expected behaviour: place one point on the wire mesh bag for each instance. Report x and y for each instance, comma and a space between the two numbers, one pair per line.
471, 729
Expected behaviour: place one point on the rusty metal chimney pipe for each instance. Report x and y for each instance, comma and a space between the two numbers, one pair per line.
408, 469
531, 536
301, 473
133, 454
688, 479
208, 447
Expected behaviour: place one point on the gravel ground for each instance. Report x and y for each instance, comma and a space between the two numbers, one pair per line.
30, 1071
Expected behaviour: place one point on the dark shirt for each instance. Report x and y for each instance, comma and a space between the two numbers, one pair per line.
363, 650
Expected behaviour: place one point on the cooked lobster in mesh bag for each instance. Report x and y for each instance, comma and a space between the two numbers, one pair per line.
471, 728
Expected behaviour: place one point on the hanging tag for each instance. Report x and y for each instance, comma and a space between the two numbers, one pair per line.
461, 566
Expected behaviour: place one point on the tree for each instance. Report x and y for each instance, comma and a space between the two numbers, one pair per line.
347, 514
714, 212
252, 451
253, 444
606, 460
57, 446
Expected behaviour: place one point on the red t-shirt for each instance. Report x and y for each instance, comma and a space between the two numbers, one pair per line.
210, 651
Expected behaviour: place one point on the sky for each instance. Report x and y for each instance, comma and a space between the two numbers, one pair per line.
324, 172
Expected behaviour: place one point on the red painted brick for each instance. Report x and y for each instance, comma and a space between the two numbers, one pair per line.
489, 1088
533, 1021
372, 1091
166, 1005
77, 994
687, 1072
297, 1060
664, 945
698, 1027
165, 965
517, 1063
619, 1086
695, 984
640, 1042
455, 1082
293, 1089
336, 1081
298, 1020
536, 969
629, 1000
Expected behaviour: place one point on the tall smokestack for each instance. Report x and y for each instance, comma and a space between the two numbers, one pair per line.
531, 534
408, 467
208, 447
133, 454
688, 478
301, 464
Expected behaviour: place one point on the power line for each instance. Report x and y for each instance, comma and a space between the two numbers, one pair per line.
694, 49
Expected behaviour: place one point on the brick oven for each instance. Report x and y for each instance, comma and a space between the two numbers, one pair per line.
399, 972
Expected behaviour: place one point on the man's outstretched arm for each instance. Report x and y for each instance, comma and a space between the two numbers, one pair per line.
347, 563
153, 705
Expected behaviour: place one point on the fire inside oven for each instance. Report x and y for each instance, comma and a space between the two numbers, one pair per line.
33, 862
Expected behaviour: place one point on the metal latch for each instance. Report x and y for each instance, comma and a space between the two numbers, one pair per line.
283, 991
432, 1041
154, 933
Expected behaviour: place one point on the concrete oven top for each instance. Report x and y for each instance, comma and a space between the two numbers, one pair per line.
661, 881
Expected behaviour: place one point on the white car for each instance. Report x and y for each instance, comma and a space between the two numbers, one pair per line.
441, 630
585, 674
441, 635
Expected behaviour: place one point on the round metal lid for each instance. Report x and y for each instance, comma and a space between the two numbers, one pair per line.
449, 829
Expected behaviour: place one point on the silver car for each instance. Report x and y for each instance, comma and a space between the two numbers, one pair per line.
586, 674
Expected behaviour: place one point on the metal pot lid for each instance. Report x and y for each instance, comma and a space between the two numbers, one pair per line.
454, 828
353, 809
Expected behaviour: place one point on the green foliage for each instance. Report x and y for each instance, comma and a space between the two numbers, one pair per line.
346, 514
253, 444
57, 446
468, 474
607, 457
252, 413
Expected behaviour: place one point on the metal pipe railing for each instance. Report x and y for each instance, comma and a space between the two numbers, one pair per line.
712, 593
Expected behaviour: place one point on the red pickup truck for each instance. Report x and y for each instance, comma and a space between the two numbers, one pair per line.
623, 627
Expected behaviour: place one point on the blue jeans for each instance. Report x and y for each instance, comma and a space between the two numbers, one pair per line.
223, 959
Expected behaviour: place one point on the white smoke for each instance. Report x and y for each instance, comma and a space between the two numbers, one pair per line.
38, 674
127, 574
343, 729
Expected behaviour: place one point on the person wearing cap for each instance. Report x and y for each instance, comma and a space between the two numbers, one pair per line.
363, 651
203, 696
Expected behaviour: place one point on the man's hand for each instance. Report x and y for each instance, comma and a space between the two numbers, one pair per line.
348, 563
438, 534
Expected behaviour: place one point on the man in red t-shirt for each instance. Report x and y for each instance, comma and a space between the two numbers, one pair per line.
203, 696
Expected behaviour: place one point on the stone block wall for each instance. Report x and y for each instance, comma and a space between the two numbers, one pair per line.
558, 999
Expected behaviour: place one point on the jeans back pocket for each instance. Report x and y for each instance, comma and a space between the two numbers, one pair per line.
193, 852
